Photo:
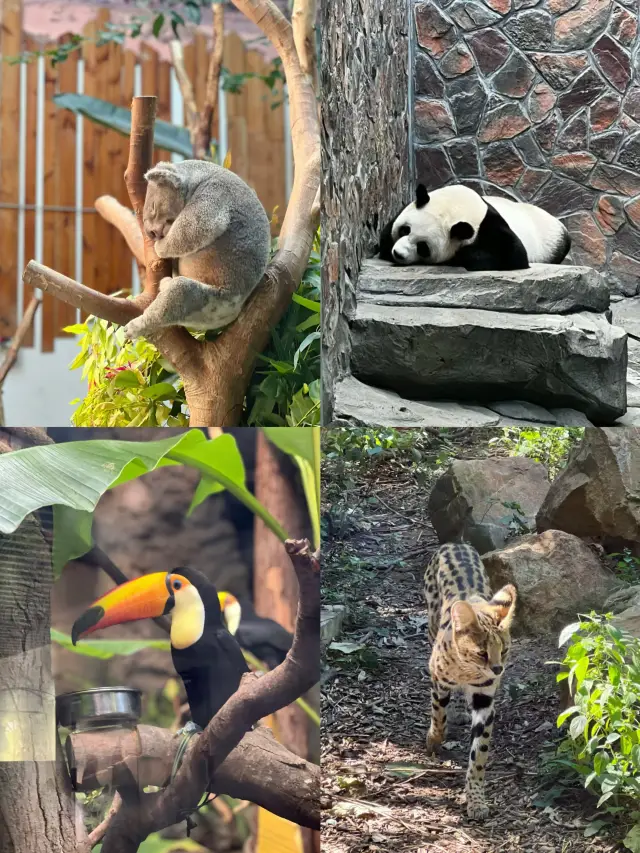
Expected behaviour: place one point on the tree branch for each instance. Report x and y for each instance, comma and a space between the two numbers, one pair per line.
259, 769
125, 221
256, 698
21, 332
303, 19
202, 134
185, 84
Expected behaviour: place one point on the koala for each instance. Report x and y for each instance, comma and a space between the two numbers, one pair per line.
212, 225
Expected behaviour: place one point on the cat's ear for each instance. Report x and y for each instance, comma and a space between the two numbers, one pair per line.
503, 604
463, 618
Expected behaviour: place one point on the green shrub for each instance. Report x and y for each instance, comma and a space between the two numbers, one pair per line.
602, 743
549, 445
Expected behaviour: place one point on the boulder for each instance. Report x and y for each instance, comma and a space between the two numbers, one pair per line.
557, 577
598, 493
625, 604
466, 503
358, 403
541, 289
576, 360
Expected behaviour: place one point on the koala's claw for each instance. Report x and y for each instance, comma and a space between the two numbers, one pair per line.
134, 329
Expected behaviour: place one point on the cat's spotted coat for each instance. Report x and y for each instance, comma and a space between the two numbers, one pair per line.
469, 632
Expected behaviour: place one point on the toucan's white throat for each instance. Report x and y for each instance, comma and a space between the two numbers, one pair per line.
187, 618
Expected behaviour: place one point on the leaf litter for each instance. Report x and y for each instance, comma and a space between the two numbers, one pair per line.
381, 791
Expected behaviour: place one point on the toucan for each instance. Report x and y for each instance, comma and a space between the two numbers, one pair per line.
264, 638
205, 655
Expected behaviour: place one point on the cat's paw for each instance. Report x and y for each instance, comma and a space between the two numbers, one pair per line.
432, 743
477, 809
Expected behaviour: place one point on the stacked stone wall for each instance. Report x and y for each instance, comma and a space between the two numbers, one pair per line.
538, 100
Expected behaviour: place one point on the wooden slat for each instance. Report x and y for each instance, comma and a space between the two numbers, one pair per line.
120, 266
149, 62
30, 164
234, 59
10, 45
89, 171
65, 172
202, 66
190, 67
257, 92
49, 229
103, 182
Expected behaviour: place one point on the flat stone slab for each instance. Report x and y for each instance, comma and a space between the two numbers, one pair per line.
522, 411
626, 314
331, 620
363, 404
578, 361
542, 289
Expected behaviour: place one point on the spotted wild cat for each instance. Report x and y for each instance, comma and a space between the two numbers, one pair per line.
469, 632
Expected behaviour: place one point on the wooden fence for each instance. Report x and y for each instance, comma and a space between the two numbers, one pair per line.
53, 167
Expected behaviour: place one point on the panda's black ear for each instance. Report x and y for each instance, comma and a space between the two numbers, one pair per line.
461, 231
422, 196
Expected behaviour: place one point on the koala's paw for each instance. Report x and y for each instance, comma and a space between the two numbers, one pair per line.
159, 247
135, 328
165, 282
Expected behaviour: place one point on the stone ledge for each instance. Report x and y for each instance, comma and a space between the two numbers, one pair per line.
365, 405
577, 361
542, 289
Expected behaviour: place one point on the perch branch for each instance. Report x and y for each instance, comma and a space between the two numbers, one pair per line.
143, 116
96, 835
125, 221
202, 135
185, 84
256, 698
259, 769
303, 19
67, 290
16, 342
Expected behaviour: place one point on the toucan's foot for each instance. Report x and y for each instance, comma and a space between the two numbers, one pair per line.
189, 729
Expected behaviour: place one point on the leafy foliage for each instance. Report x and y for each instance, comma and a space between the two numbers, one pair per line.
130, 384
626, 565
602, 744
549, 445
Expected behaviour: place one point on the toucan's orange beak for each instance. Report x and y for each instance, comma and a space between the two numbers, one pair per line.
142, 598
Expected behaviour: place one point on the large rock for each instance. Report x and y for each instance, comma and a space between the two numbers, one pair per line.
358, 403
575, 360
542, 289
625, 604
557, 577
466, 503
598, 493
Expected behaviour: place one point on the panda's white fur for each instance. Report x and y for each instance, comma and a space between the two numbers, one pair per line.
447, 220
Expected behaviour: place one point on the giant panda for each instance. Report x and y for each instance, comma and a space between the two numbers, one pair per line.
456, 226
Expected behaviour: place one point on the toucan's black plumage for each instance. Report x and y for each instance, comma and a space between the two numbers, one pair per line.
205, 655
212, 667
264, 638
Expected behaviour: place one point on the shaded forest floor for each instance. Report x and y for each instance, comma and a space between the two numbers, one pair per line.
376, 695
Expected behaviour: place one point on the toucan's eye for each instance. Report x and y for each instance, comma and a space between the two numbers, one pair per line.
177, 584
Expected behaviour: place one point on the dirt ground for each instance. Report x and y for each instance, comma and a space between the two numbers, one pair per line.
376, 696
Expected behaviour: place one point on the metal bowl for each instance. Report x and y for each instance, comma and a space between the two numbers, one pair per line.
99, 706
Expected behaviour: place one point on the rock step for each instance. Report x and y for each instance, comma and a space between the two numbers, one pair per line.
577, 360
356, 402
542, 289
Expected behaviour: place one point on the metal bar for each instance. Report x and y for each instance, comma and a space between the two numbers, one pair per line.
46, 208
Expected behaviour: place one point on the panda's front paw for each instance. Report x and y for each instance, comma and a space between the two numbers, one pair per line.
136, 328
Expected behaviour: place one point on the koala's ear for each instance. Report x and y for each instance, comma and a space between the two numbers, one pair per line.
164, 174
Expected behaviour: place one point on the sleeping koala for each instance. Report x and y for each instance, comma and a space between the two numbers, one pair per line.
208, 219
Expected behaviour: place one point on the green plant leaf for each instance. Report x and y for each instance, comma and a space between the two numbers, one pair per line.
106, 649
166, 136
567, 632
223, 456
632, 839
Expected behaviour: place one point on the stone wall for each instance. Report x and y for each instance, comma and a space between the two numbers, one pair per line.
538, 100
365, 153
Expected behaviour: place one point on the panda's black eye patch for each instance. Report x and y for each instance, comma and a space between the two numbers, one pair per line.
403, 230
423, 249
462, 231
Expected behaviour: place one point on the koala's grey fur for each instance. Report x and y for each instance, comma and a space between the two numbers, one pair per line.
208, 219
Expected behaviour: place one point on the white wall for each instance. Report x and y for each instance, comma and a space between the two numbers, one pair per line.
40, 386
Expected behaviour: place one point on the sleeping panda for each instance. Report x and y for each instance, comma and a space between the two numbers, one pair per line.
456, 226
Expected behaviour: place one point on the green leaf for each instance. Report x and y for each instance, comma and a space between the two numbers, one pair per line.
157, 25
347, 648
167, 136
632, 839
577, 726
313, 336
311, 304
159, 391
567, 632
303, 443
106, 649
76, 475
72, 535
404, 770
127, 379
223, 456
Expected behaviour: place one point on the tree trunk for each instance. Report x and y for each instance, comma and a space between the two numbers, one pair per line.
37, 806
275, 588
